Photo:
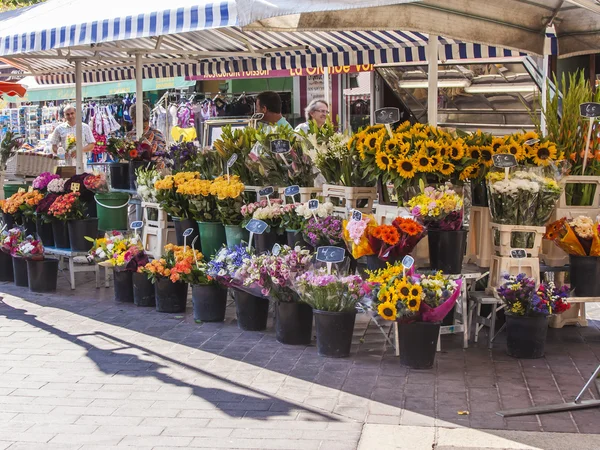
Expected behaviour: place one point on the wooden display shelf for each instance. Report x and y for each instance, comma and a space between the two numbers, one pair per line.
350, 197
505, 235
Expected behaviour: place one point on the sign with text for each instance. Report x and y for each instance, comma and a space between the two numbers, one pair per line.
137, 225
356, 215
280, 146
504, 160
313, 204
330, 254
188, 232
265, 192
75, 187
408, 261
256, 226
290, 191
232, 160
589, 109
531, 142
387, 116
276, 250
518, 253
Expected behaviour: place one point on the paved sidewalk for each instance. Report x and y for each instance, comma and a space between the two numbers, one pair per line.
78, 371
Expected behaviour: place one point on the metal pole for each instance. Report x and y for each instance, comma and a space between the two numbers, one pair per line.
374, 100
326, 86
587, 385
139, 95
544, 94
432, 91
78, 117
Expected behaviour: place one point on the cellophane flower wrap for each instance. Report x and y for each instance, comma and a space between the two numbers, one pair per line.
124, 252
42, 180
96, 182
523, 298
228, 190
579, 236
175, 264
227, 262
11, 239
272, 274
320, 231
355, 235
331, 292
270, 212
407, 297
30, 248
439, 208
173, 202
67, 207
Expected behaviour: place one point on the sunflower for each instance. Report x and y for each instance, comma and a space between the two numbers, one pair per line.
387, 310
404, 149
486, 155
392, 146
474, 152
371, 143
416, 290
497, 142
529, 135
446, 168
384, 161
436, 163
514, 148
542, 153
423, 162
443, 152
430, 147
406, 167
403, 289
457, 150
469, 172
403, 127
414, 303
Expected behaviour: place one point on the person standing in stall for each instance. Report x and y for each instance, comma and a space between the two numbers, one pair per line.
317, 110
151, 135
61, 134
268, 103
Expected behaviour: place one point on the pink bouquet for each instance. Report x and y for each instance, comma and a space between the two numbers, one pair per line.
42, 180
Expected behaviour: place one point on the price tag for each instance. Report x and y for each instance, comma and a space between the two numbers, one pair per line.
531, 142
313, 204
290, 191
257, 116
276, 250
518, 253
75, 187
188, 232
137, 225
589, 109
30, 189
232, 160
265, 192
21, 190
357, 215
256, 226
407, 262
504, 160
331, 254
280, 146
387, 116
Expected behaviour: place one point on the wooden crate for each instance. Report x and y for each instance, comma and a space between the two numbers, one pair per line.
306, 193
580, 179
504, 264
504, 233
479, 242
349, 197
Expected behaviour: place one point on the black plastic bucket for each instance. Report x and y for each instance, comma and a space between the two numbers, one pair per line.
294, 238
79, 230
123, 281
584, 272
119, 175
6, 267
293, 323
20, 271
30, 228
264, 242
143, 290
42, 275
8, 220
447, 250
334, 332
170, 297
183, 224
44, 232
60, 232
526, 336
479, 194
418, 342
209, 302
251, 311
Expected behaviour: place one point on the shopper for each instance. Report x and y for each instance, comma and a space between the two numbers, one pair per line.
317, 110
67, 128
269, 104
153, 136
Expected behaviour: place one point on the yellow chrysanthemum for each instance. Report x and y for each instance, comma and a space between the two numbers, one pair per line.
406, 167
543, 153
387, 310
384, 161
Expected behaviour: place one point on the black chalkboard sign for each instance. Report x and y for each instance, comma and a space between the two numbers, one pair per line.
313, 204
504, 160
356, 215
188, 232
290, 191
331, 254
531, 142
256, 226
280, 146
264, 192
518, 253
589, 109
136, 225
232, 160
276, 250
387, 115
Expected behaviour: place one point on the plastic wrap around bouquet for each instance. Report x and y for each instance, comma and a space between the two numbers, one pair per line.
579, 236
227, 262
409, 297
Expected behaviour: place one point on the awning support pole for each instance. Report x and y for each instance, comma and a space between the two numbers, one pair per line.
326, 86
432, 91
543, 126
79, 117
139, 96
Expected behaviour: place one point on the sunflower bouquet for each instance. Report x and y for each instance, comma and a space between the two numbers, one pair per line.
522, 298
412, 298
439, 208
579, 236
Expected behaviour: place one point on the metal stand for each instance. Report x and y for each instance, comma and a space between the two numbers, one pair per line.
571, 406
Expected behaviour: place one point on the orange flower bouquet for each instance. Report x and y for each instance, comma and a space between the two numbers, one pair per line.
21, 205
177, 264
579, 236
67, 207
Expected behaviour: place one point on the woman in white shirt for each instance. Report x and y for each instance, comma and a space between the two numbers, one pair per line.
317, 110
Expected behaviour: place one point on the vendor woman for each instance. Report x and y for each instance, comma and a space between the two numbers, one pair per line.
151, 135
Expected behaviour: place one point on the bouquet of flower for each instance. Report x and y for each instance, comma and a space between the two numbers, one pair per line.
240, 141
11, 239
44, 205
271, 214
228, 194
31, 248
30, 202
173, 202
325, 209
413, 298
56, 185
579, 236
10, 144
119, 251
67, 207
71, 149
318, 231
96, 182
290, 219
128, 150
205, 161
355, 235
227, 262
175, 263
146, 178
331, 292
439, 208
42, 180
521, 297
202, 204
273, 274
180, 153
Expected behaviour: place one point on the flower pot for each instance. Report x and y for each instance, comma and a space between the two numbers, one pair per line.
183, 224
234, 235
8, 220
143, 290
264, 242
112, 210
60, 232
293, 323
418, 342
583, 271
374, 263
79, 230
447, 250
133, 166
209, 302
479, 194
170, 297
526, 336
90, 207
6, 267
30, 228
251, 311
44, 232
123, 281
20, 271
334, 332
42, 275
119, 175
212, 238
294, 238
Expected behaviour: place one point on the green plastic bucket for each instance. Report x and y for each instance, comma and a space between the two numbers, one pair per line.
234, 235
10, 189
112, 210
212, 238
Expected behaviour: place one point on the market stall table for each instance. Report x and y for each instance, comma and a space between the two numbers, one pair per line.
74, 267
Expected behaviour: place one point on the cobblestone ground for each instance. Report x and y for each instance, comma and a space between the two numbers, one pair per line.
78, 371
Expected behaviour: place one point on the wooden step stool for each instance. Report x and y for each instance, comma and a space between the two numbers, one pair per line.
479, 242
349, 197
505, 264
